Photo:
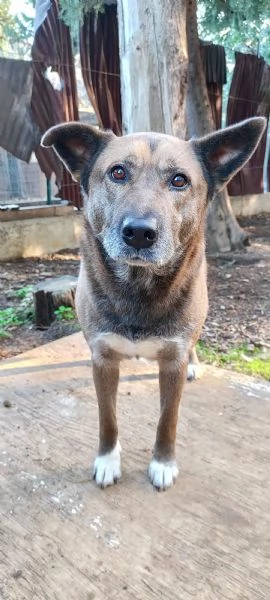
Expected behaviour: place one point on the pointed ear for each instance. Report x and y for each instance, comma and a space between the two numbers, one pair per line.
223, 153
76, 144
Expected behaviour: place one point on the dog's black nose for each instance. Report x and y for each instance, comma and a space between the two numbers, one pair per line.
140, 233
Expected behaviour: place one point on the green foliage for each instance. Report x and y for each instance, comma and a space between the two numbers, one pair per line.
16, 31
233, 13
8, 319
6, 22
242, 25
65, 313
15, 316
73, 11
5, 17
241, 359
23, 292
20, 36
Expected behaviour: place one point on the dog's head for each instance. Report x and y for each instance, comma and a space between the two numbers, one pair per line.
145, 194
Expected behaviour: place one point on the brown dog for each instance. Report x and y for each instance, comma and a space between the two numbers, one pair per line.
142, 284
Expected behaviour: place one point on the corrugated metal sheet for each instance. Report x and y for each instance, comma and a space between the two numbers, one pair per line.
18, 133
99, 51
250, 79
214, 66
52, 50
215, 98
214, 62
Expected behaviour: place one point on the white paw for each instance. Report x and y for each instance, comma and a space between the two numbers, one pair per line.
162, 474
193, 371
107, 467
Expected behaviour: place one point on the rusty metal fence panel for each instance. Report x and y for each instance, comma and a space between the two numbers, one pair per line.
251, 78
52, 50
99, 51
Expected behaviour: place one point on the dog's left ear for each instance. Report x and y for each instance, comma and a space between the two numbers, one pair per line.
223, 153
76, 144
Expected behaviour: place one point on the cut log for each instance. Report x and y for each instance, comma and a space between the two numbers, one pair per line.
49, 295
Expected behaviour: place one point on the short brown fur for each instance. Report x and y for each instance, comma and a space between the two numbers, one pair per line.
142, 284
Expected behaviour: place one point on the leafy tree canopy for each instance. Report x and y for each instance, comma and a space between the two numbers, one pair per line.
6, 21
73, 12
16, 31
237, 24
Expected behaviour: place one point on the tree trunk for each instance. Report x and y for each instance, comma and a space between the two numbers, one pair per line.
153, 58
223, 232
163, 89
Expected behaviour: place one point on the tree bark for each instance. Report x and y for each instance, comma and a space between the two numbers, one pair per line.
154, 62
163, 88
223, 231
199, 118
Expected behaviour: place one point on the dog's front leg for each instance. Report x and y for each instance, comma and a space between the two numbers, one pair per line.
107, 466
163, 468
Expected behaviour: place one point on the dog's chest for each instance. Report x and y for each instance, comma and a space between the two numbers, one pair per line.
148, 348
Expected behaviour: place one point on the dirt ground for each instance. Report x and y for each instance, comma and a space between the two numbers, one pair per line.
239, 294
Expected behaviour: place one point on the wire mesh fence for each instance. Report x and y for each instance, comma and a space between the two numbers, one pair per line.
20, 182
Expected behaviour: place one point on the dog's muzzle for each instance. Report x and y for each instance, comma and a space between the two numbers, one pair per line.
140, 233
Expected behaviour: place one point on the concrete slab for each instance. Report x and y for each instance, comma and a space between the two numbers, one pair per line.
251, 204
62, 538
38, 236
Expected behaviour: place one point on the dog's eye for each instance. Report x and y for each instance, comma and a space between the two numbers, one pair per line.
118, 173
180, 181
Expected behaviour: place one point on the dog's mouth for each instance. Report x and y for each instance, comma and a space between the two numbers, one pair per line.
137, 261
154, 257
139, 258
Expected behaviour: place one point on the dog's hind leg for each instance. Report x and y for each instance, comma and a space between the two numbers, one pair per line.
107, 466
193, 370
163, 468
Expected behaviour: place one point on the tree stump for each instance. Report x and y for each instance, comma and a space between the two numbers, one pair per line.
49, 295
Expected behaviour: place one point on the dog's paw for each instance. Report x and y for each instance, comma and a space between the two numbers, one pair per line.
162, 474
107, 467
193, 371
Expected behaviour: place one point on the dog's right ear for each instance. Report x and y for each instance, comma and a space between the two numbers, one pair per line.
76, 144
